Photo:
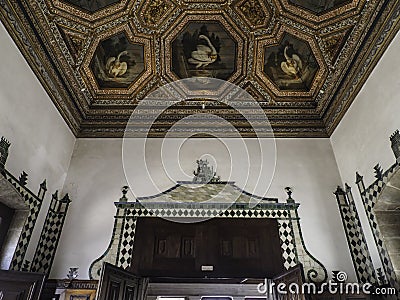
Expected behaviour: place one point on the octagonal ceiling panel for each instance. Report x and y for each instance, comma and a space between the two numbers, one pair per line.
203, 49
203, 46
290, 65
293, 65
119, 63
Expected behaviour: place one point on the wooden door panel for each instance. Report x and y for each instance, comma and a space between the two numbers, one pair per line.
234, 247
119, 284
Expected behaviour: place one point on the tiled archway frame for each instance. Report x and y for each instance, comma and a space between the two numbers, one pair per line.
120, 249
370, 196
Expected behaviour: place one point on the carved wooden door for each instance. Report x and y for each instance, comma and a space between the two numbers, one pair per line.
119, 284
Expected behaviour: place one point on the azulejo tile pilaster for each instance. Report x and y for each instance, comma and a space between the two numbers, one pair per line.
359, 252
50, 236
34, 204
314, 270
110, 255
370, 196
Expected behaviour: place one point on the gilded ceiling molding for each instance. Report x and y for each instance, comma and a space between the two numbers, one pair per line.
304, 63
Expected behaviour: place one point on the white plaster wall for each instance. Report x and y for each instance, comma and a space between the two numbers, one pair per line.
41, 142
96, 175
362, 138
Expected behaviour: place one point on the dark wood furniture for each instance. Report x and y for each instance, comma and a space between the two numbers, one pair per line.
20, 285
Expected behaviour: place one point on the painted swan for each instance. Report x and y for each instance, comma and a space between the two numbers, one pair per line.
203, 55
114, 67
293, 65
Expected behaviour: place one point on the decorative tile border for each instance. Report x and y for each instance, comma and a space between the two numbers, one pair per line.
362, 261
120, 249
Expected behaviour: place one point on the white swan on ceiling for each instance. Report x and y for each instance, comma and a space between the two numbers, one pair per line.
203, 55
293, 65
114, 67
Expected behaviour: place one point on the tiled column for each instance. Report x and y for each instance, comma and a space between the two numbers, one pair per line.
370, 197
355, 236
48, 242
4, 145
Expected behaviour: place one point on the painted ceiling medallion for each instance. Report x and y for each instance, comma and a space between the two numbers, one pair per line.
119, 63
203, 49
291, 66
204, 46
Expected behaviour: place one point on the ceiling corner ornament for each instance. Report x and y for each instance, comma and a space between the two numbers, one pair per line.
153, 13
255, 13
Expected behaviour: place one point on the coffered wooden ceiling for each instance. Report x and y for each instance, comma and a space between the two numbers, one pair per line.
304, 61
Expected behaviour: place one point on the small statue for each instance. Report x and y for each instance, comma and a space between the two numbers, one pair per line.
204, 173
72, 273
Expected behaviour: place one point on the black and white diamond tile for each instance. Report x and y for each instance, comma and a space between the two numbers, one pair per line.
370, 197
288, 243
126, 243
48, 242
34, 204
314, 270
362, 261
